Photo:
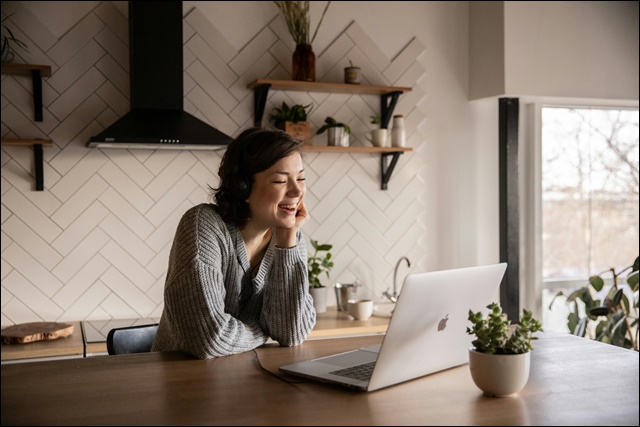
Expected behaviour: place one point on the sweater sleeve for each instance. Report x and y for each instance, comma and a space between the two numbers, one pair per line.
288, 314
195, 318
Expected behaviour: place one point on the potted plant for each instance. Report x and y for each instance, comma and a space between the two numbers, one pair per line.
318, 264
336, 132
8, 42
500, 357
293, 121
614, 319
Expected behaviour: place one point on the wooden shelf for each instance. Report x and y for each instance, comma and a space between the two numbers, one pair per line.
26, 69
331, 149
327, 87
27, 142
36, 72
37, 155
388, 98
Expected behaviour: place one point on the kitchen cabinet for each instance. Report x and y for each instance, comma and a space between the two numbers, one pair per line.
388, 99
36, 72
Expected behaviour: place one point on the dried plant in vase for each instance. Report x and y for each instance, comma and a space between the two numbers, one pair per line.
296, 15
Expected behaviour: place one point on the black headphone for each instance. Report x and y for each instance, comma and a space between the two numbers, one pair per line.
238, 183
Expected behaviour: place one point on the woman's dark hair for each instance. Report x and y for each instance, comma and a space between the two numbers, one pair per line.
253, 151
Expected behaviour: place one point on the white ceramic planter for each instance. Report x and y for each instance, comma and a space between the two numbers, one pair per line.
499, 374
319, 296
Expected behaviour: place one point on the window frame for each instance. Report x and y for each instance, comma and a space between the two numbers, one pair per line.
532, 282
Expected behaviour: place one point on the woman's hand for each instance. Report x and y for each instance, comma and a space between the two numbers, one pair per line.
286, 237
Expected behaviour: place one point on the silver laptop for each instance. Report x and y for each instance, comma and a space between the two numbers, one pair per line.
426, 333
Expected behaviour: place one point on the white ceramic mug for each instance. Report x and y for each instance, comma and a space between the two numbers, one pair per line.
377, 137
361, 309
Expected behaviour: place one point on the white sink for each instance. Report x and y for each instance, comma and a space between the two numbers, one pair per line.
383, 309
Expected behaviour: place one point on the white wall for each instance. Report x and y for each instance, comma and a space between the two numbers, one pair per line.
94, 244
572, 49
581, 49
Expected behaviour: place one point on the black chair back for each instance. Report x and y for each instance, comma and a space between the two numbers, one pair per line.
131, 339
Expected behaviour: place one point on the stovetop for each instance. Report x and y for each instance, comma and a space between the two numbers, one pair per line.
97, 330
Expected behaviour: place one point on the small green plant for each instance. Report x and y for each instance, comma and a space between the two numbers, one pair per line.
330, 122
376, 120
612, 320
9, 41
492, 333
295, 114
319, 264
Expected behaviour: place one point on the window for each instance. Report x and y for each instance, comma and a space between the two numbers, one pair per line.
589, 199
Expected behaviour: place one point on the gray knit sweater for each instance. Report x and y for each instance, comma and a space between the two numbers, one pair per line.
202, 314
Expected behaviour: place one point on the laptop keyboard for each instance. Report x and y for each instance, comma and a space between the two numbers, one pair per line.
357, 372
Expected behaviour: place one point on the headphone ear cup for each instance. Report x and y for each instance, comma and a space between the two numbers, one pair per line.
241, 186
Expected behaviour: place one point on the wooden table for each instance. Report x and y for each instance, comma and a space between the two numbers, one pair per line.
573, 381
68, 347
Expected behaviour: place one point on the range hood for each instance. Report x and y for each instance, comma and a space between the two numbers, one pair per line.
157, 119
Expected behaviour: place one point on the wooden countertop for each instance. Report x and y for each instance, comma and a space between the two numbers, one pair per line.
69, 346
335, 324
332, 324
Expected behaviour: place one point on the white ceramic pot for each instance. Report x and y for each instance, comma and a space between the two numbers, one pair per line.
499, 374
334, 136
319, 296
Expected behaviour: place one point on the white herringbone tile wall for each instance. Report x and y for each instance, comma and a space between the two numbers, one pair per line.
95, 243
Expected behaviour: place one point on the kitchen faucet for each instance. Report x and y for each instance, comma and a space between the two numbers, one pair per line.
394, 297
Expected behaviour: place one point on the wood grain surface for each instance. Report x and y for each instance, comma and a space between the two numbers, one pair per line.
35, 331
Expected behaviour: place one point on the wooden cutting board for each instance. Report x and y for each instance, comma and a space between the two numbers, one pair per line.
35, 331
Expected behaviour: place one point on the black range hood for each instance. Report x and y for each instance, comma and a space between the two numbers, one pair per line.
157, 118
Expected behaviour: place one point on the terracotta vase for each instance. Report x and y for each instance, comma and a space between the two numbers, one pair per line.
304, 63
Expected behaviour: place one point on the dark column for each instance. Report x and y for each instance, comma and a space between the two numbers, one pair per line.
509, 208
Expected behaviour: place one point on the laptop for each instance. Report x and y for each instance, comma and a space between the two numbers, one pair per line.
426, 333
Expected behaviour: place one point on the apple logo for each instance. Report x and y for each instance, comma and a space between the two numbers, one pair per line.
443, 323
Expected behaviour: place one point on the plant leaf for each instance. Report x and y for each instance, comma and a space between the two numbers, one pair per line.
596, 282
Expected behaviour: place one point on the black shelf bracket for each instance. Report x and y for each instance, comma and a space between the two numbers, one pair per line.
387, 170
36, 78
260, 94
388, 102
37, 157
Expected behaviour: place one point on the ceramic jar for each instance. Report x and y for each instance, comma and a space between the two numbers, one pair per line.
398, 132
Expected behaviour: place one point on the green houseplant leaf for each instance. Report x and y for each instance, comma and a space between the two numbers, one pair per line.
319, 264
9, 41
614, 319
492, 333
330, 122
295, 114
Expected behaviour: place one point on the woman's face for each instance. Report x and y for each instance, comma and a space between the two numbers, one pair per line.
277, 192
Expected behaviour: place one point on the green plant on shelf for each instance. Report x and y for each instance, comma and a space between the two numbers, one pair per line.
330, 122
295, 114
9, 41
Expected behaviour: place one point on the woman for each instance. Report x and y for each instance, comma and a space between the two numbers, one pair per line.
238, 268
